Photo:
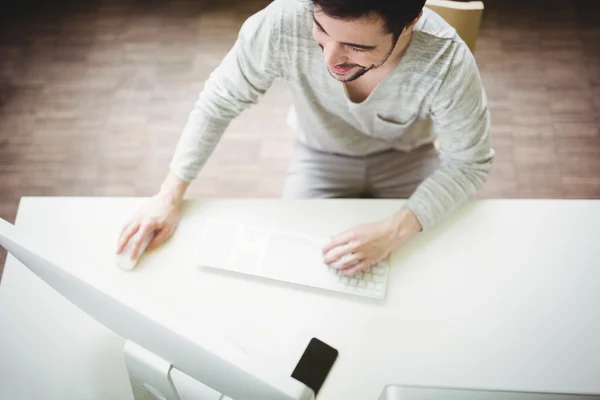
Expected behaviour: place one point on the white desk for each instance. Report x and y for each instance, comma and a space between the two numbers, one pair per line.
504, 294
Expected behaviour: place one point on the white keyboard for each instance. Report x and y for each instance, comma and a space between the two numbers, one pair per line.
282, 256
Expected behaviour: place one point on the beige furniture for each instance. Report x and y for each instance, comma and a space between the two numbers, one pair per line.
465, 17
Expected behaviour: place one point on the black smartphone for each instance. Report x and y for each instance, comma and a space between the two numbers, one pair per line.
315, 364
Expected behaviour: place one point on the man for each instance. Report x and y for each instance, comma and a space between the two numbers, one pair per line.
375, 83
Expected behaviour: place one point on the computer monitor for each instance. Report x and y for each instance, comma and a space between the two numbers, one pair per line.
413, 392
168, 364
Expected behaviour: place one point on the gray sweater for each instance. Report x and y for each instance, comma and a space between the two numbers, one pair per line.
434, 93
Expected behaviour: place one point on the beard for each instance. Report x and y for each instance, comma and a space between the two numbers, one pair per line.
360, 71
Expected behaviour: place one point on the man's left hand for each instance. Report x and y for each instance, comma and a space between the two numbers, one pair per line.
363, 246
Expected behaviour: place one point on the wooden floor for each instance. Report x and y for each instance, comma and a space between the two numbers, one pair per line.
94, 94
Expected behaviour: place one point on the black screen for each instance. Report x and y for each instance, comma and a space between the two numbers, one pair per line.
315, 364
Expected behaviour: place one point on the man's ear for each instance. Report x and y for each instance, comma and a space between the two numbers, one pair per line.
409, 27
414, 22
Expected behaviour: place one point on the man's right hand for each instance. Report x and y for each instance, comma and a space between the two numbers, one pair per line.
159, 216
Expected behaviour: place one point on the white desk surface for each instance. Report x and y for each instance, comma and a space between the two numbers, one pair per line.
504, 294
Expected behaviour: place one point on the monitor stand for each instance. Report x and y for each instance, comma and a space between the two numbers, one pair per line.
153, 378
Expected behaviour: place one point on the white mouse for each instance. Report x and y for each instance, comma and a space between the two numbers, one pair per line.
124, 261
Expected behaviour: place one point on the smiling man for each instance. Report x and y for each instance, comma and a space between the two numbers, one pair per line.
374, 83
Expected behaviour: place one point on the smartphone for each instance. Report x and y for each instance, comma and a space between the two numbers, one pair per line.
315, 364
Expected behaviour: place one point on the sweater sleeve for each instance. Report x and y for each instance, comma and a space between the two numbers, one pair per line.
245, 73
462, 126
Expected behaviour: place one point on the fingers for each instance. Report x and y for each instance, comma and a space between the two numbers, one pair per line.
339, 252
160, 237
339, 240
348, 260
126, 234
143, 233
359, 267
123, 229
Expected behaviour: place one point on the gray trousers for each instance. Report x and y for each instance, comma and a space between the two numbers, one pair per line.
388, 174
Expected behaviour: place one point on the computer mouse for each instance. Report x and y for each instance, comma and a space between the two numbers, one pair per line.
123, 259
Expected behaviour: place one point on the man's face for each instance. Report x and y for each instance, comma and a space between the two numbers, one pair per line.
352, 48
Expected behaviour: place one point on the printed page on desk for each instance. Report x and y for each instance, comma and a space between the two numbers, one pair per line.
264, 252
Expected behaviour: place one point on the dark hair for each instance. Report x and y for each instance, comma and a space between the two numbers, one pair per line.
396, 14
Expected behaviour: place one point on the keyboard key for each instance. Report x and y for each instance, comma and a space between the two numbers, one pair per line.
360, 290
379, 286
367, 277
380, 271
379, 278
370, 285
353, 282
362, 284
345, 280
